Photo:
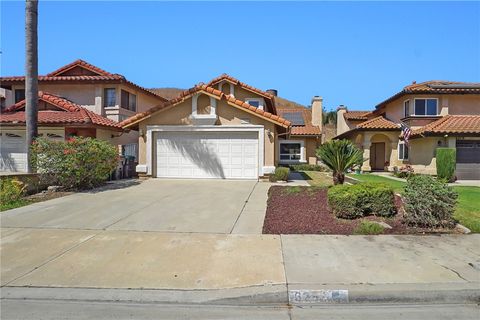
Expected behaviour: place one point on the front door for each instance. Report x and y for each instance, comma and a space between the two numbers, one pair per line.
377, 156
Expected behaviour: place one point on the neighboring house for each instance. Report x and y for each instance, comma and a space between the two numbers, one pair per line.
440, 114
107, 94
224, 129
58, 118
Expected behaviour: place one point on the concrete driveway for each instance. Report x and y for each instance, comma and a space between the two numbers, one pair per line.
194, 206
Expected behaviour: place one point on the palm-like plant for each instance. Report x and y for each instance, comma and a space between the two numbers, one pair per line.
340, 155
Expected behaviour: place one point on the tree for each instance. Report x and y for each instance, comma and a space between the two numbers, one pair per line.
340, 155
31, 75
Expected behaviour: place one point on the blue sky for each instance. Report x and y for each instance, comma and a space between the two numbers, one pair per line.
352, 53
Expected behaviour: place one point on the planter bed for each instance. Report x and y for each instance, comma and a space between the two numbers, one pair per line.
304, 210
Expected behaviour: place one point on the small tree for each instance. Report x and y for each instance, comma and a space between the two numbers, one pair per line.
339, 156
446, 162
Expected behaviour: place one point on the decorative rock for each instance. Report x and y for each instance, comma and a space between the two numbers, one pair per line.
54, 188
462, 229
383, 224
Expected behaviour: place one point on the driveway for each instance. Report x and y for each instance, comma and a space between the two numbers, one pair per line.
194, 206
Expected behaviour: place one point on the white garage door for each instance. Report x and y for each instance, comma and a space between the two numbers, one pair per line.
13, 156
224, 155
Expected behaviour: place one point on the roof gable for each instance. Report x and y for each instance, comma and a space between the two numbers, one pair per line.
79, 68
217, 94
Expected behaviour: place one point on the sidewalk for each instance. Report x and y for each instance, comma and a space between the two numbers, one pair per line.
248, 269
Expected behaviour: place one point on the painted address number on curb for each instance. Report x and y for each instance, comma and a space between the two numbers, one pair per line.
317, 296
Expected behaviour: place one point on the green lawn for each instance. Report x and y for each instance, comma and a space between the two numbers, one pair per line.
317, 178
468, 207
396, 185
15, 204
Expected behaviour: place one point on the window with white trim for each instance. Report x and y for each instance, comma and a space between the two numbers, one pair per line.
406, 108
291, 151
257, 103
402, 151
426, 107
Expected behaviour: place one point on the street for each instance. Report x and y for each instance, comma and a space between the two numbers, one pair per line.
53, 310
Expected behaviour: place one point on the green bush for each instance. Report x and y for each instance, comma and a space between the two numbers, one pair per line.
446, 163
368, 227
280, 174
11, 190
354, 201
77, 163
429, 202
403, 172
308, 167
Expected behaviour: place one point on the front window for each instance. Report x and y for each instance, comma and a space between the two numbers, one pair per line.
426, 107
406, 108
128, 101
19, 95
402, 151
109, 97
290, 151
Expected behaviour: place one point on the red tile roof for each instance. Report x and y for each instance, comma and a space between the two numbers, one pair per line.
451, 124
68, 113
208, 90
356, 115
378, 123
436, 87
101, 76
233, 80
307, 130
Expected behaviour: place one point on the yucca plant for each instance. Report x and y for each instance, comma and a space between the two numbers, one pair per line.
340, 155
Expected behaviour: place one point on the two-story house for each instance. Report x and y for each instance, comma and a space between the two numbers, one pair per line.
224, 129
78, 99
439, 114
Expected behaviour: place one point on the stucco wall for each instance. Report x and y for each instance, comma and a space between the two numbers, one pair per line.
227, 115
447, 104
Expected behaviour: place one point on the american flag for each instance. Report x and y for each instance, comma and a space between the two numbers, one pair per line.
406, 131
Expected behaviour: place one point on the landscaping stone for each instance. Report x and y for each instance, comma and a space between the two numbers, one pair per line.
54, 188
383, 224
462, 229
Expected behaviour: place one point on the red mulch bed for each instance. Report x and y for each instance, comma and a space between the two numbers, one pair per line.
304, 210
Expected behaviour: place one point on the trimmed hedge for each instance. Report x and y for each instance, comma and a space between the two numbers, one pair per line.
308, 167
429, 202
280, 174
358, 200
446, 163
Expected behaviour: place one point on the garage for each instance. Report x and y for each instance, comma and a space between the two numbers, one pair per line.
468, 160
207, 154
13, 156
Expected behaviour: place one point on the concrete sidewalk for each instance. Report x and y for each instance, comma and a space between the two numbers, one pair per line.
207, 268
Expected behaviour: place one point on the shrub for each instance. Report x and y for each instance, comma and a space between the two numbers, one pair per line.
404, 172
11, 190
340, 156
308, 167
446, 162
77, 163
354, 201
368, 227
280, 174
429, 202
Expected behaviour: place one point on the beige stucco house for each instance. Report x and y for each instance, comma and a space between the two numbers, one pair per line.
224, 129
439, 113
96, 92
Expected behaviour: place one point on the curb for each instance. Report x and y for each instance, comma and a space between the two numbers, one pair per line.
427, 293
298, 295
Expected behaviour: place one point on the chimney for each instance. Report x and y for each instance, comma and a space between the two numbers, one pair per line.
317, 111
342, 125
273, 92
